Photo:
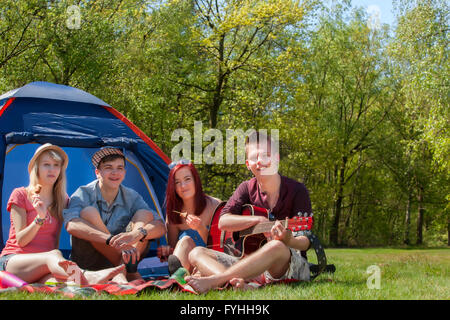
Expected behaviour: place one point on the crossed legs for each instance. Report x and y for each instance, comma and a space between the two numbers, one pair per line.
274, 257
92, 217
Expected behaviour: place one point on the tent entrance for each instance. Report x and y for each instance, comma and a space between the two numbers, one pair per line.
79, 172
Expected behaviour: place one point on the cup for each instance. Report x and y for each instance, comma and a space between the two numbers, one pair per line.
8, 280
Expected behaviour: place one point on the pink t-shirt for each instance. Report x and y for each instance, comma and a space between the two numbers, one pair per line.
45, 239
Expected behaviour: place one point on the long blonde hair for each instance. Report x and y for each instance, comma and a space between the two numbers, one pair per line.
59, 187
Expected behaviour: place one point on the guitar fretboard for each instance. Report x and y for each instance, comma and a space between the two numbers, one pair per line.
260, 228
302, 224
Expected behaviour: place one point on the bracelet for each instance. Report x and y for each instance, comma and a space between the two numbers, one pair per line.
109, 239
144, 234
39, 221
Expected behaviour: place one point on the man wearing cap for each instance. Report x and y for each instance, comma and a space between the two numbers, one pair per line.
110, 224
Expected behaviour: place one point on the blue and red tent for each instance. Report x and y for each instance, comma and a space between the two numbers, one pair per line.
80, 123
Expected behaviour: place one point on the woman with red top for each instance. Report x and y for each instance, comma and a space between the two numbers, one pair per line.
36, 219
188, 214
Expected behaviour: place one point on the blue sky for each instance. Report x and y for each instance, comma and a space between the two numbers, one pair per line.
384, 7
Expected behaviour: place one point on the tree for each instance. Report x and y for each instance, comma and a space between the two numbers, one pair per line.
72, 44
219, 45
343, 97
18, 22
420, 51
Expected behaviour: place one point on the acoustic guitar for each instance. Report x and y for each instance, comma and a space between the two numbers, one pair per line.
244, 242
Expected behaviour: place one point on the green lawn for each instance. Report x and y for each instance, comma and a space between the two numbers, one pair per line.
405, 274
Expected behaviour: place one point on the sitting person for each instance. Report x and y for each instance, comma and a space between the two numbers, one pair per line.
110, 224
31, 251
283, 256
189, 212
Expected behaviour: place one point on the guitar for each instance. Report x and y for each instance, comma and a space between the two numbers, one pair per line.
244, 242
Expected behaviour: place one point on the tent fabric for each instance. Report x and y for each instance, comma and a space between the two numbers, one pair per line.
46, 90
79, 172
42, 112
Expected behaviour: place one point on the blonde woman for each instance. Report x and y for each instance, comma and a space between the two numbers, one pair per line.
36, 219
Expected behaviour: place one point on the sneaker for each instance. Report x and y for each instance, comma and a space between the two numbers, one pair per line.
173, 263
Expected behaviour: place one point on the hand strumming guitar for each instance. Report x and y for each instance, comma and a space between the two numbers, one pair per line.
279, 232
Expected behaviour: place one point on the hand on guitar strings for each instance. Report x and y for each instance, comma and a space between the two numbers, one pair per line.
278, 232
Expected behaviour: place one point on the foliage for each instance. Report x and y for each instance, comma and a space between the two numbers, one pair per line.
362, 112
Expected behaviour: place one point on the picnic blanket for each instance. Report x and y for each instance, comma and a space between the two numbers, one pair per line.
158, 281
133, 287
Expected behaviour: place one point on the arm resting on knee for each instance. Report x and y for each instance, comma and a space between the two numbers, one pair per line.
82, 229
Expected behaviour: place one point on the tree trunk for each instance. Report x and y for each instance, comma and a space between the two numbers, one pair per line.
335, 227
448, 232
407, 220
218, 94
420, 217
334, 233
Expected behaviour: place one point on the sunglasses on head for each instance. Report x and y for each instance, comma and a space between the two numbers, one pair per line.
181, 161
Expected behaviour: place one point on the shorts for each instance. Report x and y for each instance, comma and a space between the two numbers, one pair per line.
4, 261
194, 235
298, 266
298, 269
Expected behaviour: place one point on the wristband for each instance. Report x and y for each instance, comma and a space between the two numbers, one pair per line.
109, 239
39, 221
144, 234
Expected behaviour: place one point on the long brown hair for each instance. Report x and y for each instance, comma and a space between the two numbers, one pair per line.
59, 187
174, 202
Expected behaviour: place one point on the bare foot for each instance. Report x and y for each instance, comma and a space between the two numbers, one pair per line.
103, 276
120, 278
77, 275
239, 283
74, 272
204, 284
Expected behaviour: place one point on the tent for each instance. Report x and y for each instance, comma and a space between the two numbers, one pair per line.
80, 123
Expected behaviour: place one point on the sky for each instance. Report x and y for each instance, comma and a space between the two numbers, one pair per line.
383, 7
379, 11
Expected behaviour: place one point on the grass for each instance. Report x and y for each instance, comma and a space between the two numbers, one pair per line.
408, 274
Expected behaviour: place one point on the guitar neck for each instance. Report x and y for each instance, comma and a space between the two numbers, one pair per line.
260, 228
294, 224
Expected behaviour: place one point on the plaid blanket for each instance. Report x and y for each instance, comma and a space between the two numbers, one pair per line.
133, 287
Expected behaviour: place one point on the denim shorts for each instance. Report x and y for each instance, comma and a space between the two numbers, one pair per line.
4, 261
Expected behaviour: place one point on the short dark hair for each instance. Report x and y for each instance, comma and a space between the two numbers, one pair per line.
111, 157
255, 137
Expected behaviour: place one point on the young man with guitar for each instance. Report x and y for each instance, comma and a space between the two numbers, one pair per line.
284, 254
